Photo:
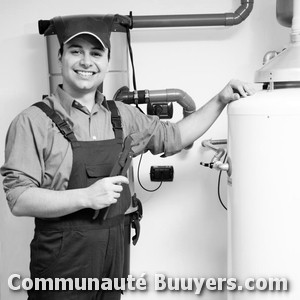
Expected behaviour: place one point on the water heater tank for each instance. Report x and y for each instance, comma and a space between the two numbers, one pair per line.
263, 191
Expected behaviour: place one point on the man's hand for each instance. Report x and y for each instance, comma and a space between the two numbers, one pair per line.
105, 192
234, 90
195, 125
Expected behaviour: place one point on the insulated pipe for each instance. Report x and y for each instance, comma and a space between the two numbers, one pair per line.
223, 19
158, 96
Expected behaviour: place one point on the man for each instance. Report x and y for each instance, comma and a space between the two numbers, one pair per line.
59, 155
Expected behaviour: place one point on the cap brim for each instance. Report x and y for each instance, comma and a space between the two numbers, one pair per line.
86, 32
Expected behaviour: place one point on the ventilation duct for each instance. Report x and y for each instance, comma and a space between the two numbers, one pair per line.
223, 19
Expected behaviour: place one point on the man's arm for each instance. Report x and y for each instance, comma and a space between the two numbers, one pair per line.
195, 125
24, 170
44, 203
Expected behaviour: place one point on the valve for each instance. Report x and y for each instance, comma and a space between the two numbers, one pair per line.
218, 165
216, 162
208, 165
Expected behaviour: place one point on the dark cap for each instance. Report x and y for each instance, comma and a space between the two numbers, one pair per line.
99, 26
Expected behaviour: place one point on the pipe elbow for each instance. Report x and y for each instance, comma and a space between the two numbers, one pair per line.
240, 14
183, 99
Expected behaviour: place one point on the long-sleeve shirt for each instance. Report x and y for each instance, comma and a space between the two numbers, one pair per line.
38, 155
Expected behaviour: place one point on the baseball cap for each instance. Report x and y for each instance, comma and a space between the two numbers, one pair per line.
99, 26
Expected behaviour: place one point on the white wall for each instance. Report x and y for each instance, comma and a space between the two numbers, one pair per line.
184, 226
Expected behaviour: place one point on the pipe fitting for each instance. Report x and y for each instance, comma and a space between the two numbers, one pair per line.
157, 96
215, 162
183, 99
240, 14
218, 165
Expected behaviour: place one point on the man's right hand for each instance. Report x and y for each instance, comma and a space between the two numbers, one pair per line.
105, 192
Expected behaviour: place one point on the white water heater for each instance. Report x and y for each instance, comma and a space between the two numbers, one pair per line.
263, 191
263, 187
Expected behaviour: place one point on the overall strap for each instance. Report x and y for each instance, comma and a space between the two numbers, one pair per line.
61, 124
115, 119
68, 133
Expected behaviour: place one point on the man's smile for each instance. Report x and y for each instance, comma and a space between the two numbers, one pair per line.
85, 74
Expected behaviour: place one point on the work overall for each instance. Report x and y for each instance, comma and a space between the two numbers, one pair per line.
75, 245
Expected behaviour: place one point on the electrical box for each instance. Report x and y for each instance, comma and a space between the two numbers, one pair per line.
163, 110
162, 173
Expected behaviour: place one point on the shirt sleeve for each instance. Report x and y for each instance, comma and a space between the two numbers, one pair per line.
149, 132
23, 167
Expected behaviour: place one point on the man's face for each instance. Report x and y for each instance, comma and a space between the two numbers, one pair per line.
84, 65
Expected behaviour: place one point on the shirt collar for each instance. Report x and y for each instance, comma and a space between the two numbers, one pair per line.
67, 101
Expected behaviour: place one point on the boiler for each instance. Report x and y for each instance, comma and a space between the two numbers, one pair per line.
263, 186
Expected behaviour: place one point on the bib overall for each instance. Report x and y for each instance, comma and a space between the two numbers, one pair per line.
75, 245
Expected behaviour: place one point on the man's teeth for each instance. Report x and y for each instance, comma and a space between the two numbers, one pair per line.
85, 73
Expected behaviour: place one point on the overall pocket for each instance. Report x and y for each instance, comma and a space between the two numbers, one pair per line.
96, 172
46, 248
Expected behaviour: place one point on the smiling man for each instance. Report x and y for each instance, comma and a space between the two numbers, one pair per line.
84, 61
59, 155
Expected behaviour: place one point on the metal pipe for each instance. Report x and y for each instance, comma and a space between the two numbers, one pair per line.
219, 153
222, 19
212, 143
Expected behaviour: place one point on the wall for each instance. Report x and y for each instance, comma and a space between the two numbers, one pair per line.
184, 226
